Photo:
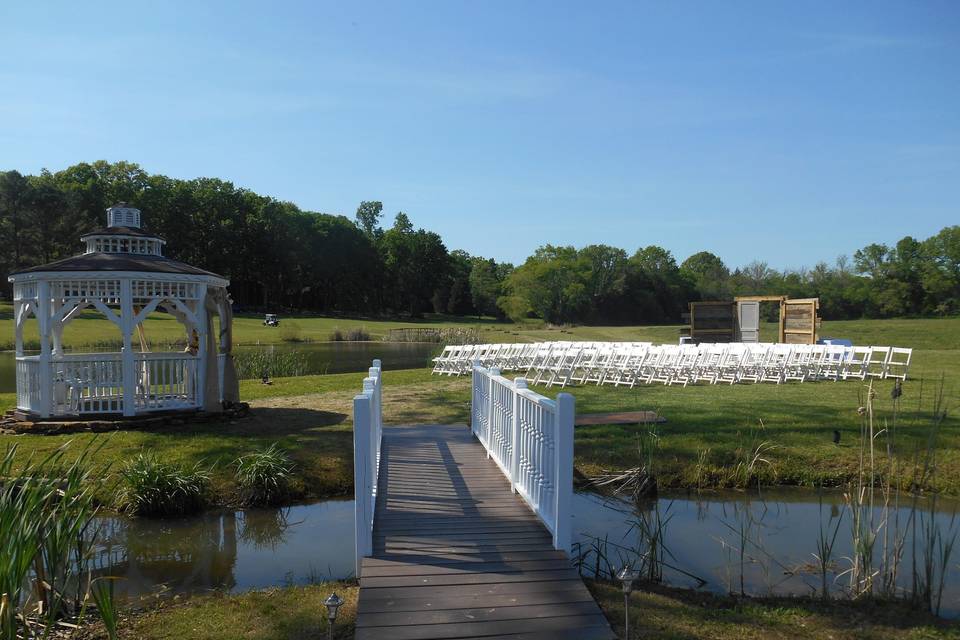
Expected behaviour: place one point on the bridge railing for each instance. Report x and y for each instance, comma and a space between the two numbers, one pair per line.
530, 437
367, 437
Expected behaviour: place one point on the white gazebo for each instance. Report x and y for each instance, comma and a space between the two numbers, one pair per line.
124, 275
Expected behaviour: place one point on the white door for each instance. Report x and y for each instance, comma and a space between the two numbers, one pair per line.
749, 315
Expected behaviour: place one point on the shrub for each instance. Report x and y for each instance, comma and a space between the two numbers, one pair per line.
157, 489
337, 336
264, 477
358, 334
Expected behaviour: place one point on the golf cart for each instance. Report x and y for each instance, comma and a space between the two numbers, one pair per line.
271, 320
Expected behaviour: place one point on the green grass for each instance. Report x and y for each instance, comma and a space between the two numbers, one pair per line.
662, 613
291, 613
708, 429
659, 613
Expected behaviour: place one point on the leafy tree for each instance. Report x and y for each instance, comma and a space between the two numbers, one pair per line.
368, 217
485, 286
709, 275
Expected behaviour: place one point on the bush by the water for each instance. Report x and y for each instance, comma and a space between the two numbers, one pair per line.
157, 489
264, 477
357, 334
256, 363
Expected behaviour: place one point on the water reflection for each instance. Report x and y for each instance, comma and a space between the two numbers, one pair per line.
229, 550
750, 543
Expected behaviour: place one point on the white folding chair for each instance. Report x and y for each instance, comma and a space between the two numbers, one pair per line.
899, 362
876, 366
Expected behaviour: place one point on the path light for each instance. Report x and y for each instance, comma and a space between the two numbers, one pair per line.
332, 603
627, 576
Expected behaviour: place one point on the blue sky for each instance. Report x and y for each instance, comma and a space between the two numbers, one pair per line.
787, 132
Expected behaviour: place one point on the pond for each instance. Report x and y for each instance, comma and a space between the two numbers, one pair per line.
227, 550
238, 550
778, 531
321, 357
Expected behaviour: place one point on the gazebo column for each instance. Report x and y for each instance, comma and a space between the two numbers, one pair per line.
201, 314
44, 317
127, 358
18, 327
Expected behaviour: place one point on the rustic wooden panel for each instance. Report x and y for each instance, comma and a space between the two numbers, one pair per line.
457, 555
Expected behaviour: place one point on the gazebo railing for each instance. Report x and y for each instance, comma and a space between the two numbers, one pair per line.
166, 381
28, 382
87, 383
92, 383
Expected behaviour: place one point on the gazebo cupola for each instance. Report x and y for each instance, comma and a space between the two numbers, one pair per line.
123, 234
123, 275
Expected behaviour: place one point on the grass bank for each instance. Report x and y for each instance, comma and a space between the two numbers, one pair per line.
290, 613
662, 613
658, 613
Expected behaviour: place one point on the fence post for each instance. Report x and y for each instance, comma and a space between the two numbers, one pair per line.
518, 384
378, 366
474, 405
362, 478
489, 408
566, 412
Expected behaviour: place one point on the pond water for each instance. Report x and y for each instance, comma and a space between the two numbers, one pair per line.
227, 550
258, 548
321, 357
778, 530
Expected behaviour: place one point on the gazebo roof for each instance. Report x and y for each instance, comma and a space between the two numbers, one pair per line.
120, 231
119, 262
120, 246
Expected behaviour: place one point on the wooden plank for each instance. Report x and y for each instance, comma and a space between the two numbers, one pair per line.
517, 566
480, 629
441, 603
486, 613
471, 590
457, 555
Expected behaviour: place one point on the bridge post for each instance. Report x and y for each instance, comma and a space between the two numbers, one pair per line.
518, 384
566, 412
362, 478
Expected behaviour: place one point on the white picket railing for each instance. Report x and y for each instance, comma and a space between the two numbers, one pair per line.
92, 383
367, 437
530, 437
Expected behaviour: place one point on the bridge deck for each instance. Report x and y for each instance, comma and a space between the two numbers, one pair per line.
457, 555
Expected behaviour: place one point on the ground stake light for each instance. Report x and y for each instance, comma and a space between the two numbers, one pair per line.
332, 603
627, 576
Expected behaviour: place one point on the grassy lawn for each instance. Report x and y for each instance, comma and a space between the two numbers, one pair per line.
290, 613
662, 613
658, 613
709, 429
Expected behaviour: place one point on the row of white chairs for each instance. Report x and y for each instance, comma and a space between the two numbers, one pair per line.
632, 363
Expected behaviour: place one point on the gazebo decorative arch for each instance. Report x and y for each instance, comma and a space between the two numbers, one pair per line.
124, 275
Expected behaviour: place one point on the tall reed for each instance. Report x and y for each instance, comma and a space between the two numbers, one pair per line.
47, 509
270, 363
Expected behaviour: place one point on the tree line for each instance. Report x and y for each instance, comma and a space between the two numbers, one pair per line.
280, 257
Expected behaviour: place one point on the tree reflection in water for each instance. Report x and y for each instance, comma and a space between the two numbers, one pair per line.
178, 556
265, 529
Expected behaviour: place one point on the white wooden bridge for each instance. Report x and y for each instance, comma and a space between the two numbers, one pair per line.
464, 532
